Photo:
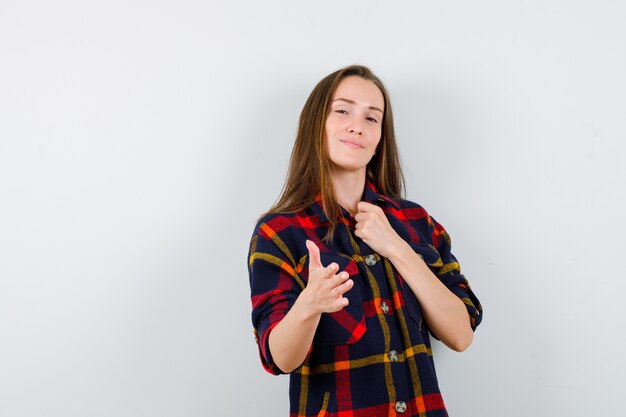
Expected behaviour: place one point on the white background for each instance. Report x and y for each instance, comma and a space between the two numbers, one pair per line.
139, 141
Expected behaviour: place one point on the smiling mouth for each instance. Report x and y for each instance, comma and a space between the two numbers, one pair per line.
351, 143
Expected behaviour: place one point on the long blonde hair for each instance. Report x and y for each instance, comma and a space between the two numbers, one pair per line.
309, 166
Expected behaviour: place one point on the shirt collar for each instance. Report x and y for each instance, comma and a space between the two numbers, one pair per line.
370, 195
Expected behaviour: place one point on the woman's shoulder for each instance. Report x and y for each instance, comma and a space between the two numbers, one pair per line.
414, 214
271, 217
282, 234
272, 222
287, 225
411, 207
280, 220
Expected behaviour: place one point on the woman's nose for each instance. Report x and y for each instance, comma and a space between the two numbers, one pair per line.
355, 128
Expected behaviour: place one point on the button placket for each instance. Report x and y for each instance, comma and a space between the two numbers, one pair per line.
370, 260
400, 406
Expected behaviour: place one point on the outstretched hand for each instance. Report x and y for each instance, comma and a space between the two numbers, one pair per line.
325, 288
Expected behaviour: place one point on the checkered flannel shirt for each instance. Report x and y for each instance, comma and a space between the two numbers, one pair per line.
372, 358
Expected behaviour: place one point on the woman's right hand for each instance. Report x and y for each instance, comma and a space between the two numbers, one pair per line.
291, 339
325, 288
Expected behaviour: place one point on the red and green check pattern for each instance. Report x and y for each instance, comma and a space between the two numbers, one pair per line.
373, 358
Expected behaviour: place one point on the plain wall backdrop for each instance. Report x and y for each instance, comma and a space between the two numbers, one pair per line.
140, 140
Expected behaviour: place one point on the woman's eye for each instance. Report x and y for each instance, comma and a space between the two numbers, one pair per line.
372, 119
341, 111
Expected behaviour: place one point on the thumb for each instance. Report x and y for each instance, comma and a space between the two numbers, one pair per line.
314, 255
364, 206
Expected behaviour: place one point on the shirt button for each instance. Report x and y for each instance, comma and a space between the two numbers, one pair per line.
370, 260
384, 307
393, 356
400, 406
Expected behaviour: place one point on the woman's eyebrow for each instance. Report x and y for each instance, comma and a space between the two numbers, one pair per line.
347, 100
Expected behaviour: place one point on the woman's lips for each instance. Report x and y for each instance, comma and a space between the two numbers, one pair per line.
351, 143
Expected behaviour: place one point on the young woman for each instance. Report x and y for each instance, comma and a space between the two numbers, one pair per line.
347, 278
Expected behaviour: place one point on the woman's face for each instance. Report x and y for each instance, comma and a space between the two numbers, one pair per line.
353, 126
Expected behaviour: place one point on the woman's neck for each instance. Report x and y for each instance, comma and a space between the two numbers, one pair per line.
348, 187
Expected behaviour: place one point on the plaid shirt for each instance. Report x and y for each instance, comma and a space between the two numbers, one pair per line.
372, 358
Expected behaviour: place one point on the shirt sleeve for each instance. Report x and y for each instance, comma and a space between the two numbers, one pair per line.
274, 284
449, 272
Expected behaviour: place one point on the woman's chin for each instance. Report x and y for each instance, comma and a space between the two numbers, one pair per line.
347, 168
349, 165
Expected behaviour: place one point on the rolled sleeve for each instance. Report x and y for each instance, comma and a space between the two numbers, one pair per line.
275, 286
449, 272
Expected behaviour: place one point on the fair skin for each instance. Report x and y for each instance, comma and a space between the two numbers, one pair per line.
353, 131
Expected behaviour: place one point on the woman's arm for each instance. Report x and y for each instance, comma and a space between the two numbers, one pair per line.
290, 340
444, 312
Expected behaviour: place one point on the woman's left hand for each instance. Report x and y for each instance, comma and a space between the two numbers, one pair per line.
373, 227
